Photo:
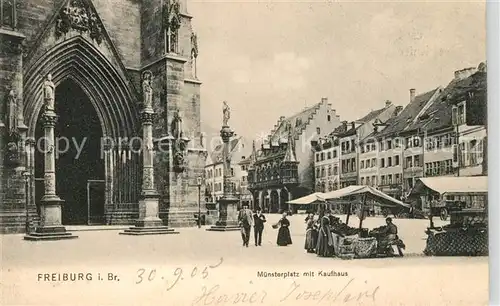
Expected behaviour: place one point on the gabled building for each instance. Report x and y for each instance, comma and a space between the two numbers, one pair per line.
214, 182
393, 150
469, 119
327, 163
282, 169
350, 137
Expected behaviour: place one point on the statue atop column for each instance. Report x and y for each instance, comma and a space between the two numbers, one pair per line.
147, 89
226, 111
48, 93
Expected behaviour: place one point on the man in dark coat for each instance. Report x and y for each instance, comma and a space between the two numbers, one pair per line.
258, 226
245, 221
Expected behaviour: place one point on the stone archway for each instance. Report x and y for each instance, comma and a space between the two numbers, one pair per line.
114, 103
284, 199
274, 201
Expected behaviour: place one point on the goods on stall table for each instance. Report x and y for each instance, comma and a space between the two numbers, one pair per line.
460, 242
365, 247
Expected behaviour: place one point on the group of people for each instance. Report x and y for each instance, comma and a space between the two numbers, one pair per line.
326, 233
247, 219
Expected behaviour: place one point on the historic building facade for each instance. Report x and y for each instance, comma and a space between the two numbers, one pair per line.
350, 139
102, 61
282, 169
326, 164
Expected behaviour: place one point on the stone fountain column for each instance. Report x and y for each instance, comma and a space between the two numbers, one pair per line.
228, 203
51, 205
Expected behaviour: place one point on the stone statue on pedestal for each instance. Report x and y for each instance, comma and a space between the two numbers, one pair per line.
48, 93
12, 112
176, 128
147, 89
226, 111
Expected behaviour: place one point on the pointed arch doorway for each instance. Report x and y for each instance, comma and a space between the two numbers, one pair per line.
79, 158
94, 101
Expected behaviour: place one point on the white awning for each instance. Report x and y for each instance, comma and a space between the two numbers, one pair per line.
452, 184
379, 196
308, 199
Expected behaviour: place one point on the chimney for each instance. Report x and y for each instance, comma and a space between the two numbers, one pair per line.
334, 112
388, 103
412, 94
353, 125
282, 118
324, 100
398, 110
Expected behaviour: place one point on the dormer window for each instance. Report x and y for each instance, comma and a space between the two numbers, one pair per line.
8, 13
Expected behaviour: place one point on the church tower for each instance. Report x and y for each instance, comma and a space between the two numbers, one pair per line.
169, 51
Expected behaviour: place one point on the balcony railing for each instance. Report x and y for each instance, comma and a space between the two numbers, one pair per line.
273, 182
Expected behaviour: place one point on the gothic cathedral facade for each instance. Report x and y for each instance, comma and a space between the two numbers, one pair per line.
105, 60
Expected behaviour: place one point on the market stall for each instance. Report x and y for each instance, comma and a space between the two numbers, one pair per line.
308, 202
363, 243
465, 200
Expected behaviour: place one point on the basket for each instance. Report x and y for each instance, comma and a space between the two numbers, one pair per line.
275, 226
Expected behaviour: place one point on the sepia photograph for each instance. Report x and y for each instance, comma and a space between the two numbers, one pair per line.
199, 152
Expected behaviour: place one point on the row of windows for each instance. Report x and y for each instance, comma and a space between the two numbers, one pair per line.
438, 168
348, 146
438, 142
348, 165
322, 172
217, 173
320, 156
410, 161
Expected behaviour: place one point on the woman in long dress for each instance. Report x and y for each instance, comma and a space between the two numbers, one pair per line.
324, 246
311, 234
284, 237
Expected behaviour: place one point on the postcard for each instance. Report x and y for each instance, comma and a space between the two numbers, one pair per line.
191, 152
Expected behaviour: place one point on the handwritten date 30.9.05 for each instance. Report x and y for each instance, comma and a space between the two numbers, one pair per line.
150, 275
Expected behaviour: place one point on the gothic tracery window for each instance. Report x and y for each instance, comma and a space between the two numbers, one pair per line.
8, 13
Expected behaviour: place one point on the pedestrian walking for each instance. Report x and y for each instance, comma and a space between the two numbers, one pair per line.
258, 220
245, 221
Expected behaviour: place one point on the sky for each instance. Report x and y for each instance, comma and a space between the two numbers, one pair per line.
273, 58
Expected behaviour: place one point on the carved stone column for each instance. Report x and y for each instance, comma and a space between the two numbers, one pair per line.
149, 222
51, 205
228, 203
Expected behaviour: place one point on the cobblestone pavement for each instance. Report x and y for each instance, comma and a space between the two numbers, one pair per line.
190, 244
401, 281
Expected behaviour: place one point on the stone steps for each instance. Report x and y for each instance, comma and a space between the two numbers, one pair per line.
141, 231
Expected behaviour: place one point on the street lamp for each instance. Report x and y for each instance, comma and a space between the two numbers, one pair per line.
26, 176
198, 181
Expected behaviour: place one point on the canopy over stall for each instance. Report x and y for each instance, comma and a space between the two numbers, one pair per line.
381, 198
313, 198
453, 184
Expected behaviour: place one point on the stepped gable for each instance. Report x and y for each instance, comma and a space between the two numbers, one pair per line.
298, 121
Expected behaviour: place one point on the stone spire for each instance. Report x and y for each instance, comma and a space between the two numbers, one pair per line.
253, 156
290, 152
